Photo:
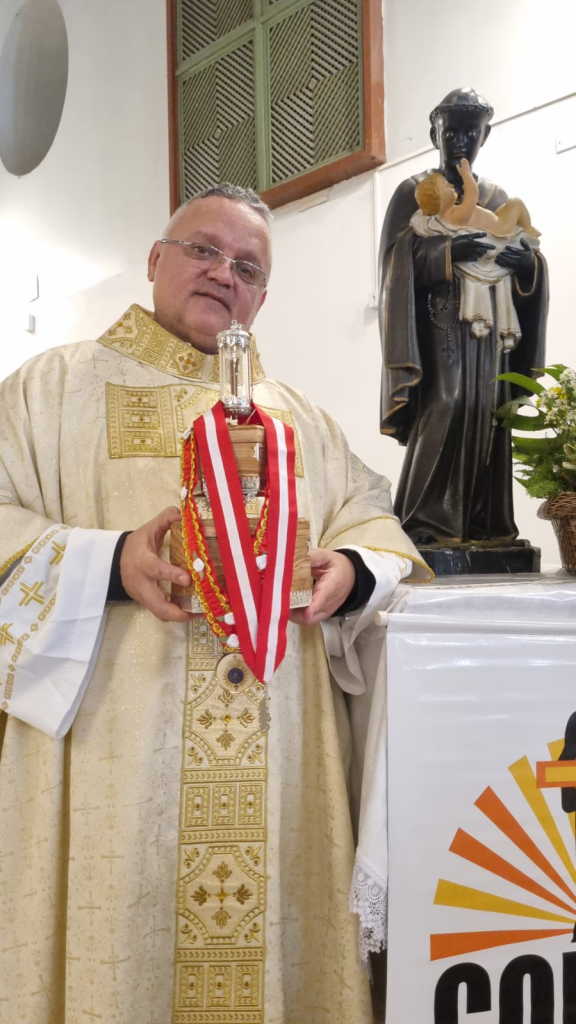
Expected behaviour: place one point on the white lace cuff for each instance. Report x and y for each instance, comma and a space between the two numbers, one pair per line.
369, 899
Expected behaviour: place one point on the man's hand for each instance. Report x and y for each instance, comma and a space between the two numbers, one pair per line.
336, 576
520, 261
467, 248
141, 569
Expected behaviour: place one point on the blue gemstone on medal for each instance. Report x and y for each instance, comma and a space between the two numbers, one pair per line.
235, 676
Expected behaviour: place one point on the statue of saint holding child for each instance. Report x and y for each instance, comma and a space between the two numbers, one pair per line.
463, 298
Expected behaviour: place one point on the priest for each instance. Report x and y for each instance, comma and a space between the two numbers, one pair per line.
176, 836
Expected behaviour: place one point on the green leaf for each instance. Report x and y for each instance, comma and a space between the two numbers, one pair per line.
533, 386
522, 481
555, 371
532, 445
510, 408
507, 412
527, 422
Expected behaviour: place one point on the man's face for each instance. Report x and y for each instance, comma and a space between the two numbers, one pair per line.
459, 134
195, 301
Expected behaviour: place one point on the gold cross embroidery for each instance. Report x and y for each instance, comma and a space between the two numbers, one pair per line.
31, 594
58, 550
5, 636
242, 895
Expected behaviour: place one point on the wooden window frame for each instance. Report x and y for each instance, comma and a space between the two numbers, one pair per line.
371, 156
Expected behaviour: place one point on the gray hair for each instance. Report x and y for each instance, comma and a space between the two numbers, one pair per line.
226, 191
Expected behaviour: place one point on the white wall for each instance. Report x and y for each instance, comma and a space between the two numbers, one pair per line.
86, 217
517, 53
86, 213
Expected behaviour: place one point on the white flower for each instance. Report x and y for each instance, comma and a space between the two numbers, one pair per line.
229, 619
198, 565
183, 494
568, 377
261, 561
233, 641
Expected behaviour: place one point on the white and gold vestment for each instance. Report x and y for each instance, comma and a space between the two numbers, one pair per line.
184, 852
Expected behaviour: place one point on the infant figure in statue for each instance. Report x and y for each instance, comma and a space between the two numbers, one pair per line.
440, 212
436, 196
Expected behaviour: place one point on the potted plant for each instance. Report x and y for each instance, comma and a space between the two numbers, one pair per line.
547, 464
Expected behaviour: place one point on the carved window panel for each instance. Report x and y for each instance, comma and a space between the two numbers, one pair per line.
282, 96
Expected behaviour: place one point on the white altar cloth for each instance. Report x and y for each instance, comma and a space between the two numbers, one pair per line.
481, 683
482, 867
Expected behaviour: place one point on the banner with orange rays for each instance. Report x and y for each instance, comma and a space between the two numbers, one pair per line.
482, 809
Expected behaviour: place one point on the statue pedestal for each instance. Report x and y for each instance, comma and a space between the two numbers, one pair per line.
482, 559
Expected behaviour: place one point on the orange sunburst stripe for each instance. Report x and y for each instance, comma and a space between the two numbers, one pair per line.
451, 894
491, 805
456, 943
465, 846
556, 748
524, 777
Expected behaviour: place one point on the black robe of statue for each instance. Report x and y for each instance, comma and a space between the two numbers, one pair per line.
438, 394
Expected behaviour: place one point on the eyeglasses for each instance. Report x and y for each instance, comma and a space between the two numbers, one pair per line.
248, 273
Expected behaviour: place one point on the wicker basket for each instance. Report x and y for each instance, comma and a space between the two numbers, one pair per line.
561, 511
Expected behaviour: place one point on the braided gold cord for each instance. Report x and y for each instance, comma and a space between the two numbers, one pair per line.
202, 550
185, 545
199, 539
210, 617
215, 625
262, 527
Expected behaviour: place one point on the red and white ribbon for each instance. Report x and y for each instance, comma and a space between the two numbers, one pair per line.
260, 605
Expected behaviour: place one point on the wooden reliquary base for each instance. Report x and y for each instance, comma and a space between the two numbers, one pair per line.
186, 597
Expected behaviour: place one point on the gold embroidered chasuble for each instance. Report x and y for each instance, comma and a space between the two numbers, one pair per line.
184, 854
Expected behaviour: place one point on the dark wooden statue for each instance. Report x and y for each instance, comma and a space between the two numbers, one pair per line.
458, 305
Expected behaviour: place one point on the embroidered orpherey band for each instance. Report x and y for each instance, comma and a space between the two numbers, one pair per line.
221, 894
138, 336
151, 421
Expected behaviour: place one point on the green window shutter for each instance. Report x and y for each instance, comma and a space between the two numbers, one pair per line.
315, 87
217, 136
268, 91
291, 124
203, 22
